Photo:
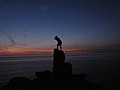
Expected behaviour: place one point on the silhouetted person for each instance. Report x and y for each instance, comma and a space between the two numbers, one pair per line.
59, 44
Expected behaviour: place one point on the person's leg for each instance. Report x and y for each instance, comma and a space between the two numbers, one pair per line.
60, 47
57, 46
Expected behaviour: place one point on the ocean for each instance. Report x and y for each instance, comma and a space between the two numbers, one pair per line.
103, 69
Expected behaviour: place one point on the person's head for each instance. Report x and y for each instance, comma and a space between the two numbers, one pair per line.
56, 36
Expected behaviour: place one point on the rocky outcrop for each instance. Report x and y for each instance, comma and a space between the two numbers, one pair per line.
61, 78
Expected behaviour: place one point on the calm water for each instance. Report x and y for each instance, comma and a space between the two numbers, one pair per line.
99, 68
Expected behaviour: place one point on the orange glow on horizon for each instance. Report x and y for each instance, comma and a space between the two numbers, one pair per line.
25, 51
38, 51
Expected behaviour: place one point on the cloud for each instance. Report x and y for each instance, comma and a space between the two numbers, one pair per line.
9, 37
4, 48
106, 48
44, 8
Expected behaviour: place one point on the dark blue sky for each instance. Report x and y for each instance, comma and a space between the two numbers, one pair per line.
30, 25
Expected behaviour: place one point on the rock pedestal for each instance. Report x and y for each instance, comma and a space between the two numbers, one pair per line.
60, 68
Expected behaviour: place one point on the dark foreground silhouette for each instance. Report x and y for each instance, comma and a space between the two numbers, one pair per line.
61, 78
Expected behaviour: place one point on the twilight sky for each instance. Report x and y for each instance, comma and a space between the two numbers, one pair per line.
29, 26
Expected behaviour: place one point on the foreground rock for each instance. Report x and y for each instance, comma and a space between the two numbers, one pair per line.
61, 78
46, 81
